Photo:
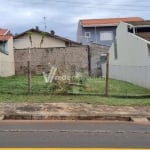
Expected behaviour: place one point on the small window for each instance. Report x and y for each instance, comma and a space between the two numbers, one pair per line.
148, 46
3, 46
87, 34
106, 36
103, 59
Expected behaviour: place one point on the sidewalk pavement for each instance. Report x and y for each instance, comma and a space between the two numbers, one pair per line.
72, 111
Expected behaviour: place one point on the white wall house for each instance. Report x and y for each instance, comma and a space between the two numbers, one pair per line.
130, 53
6, 53
34, 38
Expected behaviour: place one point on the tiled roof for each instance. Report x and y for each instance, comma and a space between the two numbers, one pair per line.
4, 36
108, 21
3, 31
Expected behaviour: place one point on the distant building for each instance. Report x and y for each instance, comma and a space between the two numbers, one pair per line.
34, 38
100, 31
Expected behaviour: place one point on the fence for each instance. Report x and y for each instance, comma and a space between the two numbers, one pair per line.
57, 79
66, 70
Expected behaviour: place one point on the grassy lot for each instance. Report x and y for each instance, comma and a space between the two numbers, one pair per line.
15, 89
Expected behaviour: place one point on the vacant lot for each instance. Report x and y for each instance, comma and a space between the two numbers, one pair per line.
15, 89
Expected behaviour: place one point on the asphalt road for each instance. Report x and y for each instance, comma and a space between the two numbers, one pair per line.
73, 134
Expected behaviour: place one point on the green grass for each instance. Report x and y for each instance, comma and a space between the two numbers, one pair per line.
119, 88
8, 98
15, 89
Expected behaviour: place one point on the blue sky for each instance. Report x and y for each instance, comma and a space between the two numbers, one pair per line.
62, 16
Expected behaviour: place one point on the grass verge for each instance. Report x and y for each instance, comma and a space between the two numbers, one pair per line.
14, 89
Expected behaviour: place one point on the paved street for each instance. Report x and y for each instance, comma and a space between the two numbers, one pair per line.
73, 134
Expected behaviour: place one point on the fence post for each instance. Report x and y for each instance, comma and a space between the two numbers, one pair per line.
107, 74
29, 71
29, 77
89, 60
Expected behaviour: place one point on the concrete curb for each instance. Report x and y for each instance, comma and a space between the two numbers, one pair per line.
141, 119
1, 117
72, 111
76, 117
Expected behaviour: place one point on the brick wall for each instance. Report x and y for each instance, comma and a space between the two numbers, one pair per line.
68, 59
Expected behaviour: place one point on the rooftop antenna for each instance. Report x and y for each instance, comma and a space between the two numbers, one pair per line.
45, 26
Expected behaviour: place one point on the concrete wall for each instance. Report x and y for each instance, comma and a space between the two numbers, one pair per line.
96, 52
24, 42
133, 62
41, 59
7, 60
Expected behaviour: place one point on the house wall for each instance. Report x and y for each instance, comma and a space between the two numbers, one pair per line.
133, 62
7, 60
24, 42
79, 33
41, 59
95, 35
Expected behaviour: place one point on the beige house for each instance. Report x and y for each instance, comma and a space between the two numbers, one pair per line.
6, 53
130, 53
34, 38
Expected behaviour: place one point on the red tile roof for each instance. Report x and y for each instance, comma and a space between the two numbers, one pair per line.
4, 36
3, 31
108, 21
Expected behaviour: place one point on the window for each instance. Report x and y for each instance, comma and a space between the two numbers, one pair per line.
103, 58
106, 36
87, 34
3, 47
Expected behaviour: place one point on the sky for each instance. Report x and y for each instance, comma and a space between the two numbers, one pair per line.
63, 16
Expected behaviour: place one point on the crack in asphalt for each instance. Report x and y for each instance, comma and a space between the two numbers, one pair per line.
80, 131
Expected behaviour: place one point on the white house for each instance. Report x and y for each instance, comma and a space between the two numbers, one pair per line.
130, 53
6, 53
34, 38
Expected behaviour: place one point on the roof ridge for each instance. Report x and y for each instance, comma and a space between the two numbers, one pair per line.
111, 18
47, 33
103, 21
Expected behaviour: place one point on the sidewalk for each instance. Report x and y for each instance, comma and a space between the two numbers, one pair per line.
71, 111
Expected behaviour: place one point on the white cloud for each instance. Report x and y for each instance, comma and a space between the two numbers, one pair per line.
63, 16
